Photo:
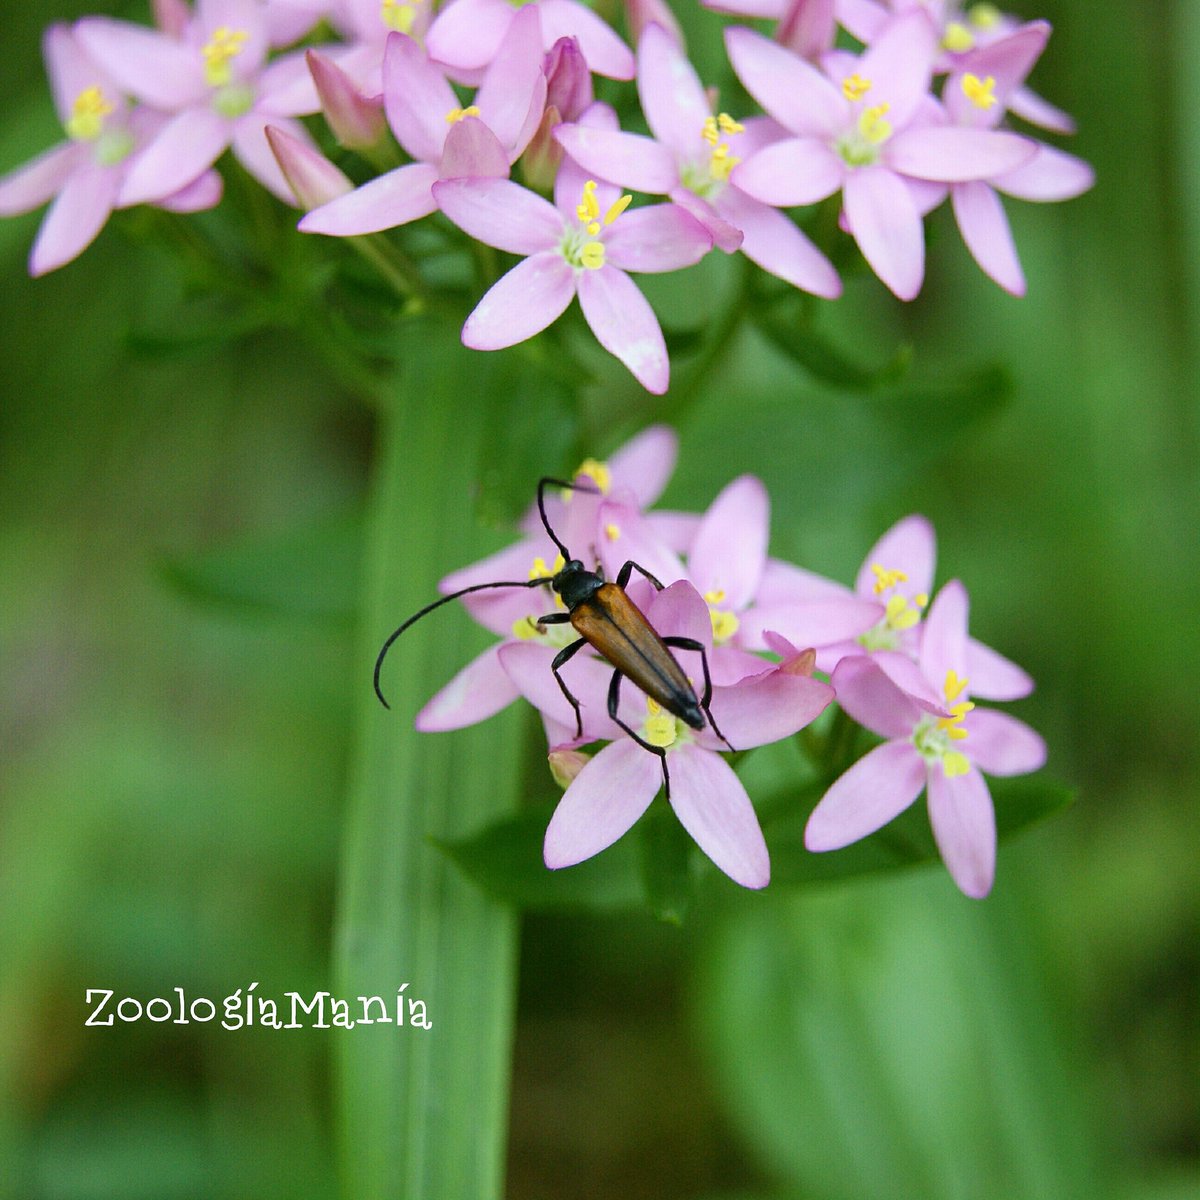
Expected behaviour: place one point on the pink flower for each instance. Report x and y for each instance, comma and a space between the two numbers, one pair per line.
428, 121
582, 245
864, 133
617, 786
942, 755
690, 159
213, 78
467, 34
367, 25
86, 174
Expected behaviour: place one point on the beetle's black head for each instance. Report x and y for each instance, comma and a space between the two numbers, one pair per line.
575, 583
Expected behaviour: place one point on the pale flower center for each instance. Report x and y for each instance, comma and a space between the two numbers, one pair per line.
859, 145
901, 612
661, 728
935, 738
581, 246
725, 621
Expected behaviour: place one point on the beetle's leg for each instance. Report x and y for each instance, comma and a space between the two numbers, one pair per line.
685, 643
624, 574
614, 699
563, 657
553, 619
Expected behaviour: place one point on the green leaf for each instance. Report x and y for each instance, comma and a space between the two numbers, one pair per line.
307, 571
905, 842
505, 859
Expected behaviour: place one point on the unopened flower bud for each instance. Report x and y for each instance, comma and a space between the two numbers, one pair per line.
807, 27
568, 80
314, 180
539, 163
357, 122
641, 13
566, 764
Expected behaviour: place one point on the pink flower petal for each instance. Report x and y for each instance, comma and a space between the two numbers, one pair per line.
502, 214
534, 294
656, 238
75, 218
679, 611
887, 227
730, 549
765, 707
712, 805
402, 195
606, 54
468, 33
676, 529
1008, 61
812, 623
906, 675
880, 786
994, 677
286, 88
964, 825
1002, 745
985, 229
1032, 108
625, 325
794, 92
645, 463
899, 63
800, 170
775, 244
873, 698
472, 150
201, 194
416, 97
253, 151
909, 546
625, 535
1051, 174
627, 159
514, 81
31, 185
785, 582
944, 635
952, 154
478, 691
603, 802
186, 146
725, 236
528, 666
672, 97
146, 64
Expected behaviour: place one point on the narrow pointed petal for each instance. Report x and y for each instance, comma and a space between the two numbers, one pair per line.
783, 581
602, 803
712, 805
810, 622
677, 529
1002, 745
798, 170
725, 235
994, 677
606, 54
75, 218
31, 185
187, 145
730, 550
201, 194
1051, 174
253, 151
887, 227
528, 666
873, 699
1029, 106
357, 122
508, 87
313, 179
793, 91
645, 463
625, 325
951, 154
149, 65
534, 294
906, 675
392, 199
765, 707
656, 238
416, 97
480, 690
899, 64
880, 786
472, 150
944, 635
964, 825
672, 96
287, 89
502, 214
468, 33
909, 546
775, 244
626, 159
985, 229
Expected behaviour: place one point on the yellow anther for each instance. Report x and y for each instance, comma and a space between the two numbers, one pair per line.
957, 38
659, 728
874, 125
886, 578
980, 92
899, 615
716, 596
724, 624
722, 162
921, 599
593, 228
592, 255
653, 707
457, 114
709, 132
954, 762
855, 87
955, 685
219, 51
616, 208
984, 16
398, 15
588, 208
729, 125
527, 628
539, 570
612, 531
596, 471
86, 121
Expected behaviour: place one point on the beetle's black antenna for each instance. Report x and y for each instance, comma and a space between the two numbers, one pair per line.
541, 494
475, 587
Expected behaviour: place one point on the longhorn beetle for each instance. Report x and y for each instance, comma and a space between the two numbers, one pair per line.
608, 621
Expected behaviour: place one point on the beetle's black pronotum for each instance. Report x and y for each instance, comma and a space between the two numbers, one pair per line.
608, 621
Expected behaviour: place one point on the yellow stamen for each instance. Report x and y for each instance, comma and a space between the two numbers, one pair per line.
592, 255
721, 164
886, 578
612, 531
588, 208
457, 114
219, 51
954, 762
899, 615
980, 92
921, 599
855, 87
724, 624
398, 15
616, 208
957, 38
984, 16
596, 471
729, 125
527, 628
955, 685
659, 728
86, 121
874, 125
709, 132
539, 570
716, 596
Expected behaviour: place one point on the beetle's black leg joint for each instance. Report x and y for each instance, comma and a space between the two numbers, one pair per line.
684, 643
614, 699
554, 618
626, 572
563, 657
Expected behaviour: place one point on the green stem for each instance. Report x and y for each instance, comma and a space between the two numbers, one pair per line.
423, 1113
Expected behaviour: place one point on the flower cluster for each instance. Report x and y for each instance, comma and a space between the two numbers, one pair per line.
892, 108
757, 629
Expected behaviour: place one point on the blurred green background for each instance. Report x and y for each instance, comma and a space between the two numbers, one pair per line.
182, 669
